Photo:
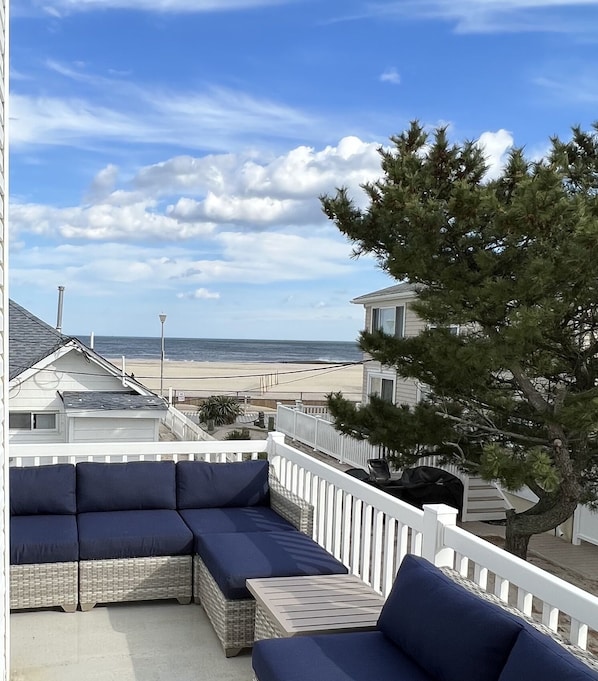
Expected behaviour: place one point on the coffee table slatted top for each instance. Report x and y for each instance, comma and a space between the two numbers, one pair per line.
299, 606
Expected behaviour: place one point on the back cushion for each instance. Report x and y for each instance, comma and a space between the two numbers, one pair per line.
135, 486
536, 657
221, 485
43, 490
451, 633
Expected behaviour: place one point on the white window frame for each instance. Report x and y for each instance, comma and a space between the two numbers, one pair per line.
382, 376
377, 311
33, 427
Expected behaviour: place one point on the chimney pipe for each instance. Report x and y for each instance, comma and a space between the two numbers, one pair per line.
59, 316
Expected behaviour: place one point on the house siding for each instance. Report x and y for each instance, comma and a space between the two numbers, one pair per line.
406, 389
86, 429
72, 371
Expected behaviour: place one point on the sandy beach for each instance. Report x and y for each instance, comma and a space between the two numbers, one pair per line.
276, 381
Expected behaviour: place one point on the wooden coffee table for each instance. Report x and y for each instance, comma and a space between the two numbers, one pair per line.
300, 606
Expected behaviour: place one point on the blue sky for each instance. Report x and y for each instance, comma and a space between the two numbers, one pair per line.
167, 155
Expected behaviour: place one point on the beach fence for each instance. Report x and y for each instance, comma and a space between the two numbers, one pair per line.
317, 431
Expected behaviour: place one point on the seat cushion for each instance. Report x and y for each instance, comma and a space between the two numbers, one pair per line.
222, 485
450, 631
363, 656
134, 486
42, 489
132, 534
252, 519
43, 539
536, 657
234, 557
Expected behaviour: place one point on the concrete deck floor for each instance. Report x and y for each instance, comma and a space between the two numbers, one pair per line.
149, 641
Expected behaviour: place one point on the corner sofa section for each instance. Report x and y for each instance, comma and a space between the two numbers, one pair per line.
109, 532
431, 628
44, 546
244, 526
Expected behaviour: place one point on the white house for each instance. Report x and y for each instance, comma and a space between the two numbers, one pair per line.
389, 310
62, 391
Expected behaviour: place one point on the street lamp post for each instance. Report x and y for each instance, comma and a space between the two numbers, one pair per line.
162, 320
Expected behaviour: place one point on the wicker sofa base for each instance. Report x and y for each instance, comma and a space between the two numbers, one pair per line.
233, 621
135, 579
44, 585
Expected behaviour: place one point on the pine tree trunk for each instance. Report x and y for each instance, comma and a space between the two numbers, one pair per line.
546, 515
515, 542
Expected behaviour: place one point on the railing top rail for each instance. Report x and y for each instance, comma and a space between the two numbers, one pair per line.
559, 593
25, 450
376, 498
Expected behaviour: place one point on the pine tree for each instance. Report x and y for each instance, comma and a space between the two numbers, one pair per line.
514, 262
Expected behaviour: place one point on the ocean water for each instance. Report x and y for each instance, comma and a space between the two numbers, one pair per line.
226, 350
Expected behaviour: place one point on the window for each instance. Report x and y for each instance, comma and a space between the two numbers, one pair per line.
26, 420
382, 387
390, 320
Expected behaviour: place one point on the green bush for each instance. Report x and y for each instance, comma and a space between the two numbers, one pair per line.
242, 434
220, 409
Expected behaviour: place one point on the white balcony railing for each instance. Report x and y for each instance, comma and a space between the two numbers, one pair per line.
368, 530
318, 432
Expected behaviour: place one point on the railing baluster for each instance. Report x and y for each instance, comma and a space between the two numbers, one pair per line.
550, 616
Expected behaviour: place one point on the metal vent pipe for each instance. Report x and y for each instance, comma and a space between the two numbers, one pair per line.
59, 316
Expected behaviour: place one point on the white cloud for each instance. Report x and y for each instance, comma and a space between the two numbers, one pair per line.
229, 258
57, 8
206, 193
390, 75
301, 173
154, 115
103, 222
200, 294
578, 86
493, 16
496, 146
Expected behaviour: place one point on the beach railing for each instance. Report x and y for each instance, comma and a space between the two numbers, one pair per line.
370, 531
183, 427
121, 452
317, 432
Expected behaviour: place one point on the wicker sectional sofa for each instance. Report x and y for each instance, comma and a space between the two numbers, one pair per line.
107, 532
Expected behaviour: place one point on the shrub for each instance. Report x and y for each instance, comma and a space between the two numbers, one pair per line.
221, 409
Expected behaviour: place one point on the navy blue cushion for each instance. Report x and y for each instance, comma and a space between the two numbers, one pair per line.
43, 539
536, 657
43, 489
233, 557
135, 486
451, 632
220, 485
252, 519
132, 534
363, 656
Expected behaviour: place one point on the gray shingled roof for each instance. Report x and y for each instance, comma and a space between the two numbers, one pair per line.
30, 339
389, 291
104, 400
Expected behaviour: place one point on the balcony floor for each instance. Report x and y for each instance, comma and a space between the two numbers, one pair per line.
149, 641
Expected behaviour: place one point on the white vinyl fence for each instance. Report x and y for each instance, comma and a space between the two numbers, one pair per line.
315, 430
585, 525
183, 427
371, 532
